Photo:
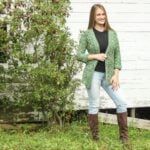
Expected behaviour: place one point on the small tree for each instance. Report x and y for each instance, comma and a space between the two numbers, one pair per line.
42, 65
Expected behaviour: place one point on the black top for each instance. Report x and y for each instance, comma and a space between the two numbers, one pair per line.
102, 38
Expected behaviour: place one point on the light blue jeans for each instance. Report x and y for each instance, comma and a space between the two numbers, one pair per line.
98, 80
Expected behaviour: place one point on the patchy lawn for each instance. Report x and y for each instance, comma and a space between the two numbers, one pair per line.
73, 137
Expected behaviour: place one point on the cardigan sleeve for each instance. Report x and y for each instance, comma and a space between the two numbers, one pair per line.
81, 51
117, 55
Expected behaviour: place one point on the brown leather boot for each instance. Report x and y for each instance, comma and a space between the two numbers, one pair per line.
93, 123
123, 128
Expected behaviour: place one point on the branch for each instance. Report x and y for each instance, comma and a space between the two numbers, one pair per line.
55, 1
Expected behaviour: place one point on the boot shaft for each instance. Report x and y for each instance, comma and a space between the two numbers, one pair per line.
123, 127
94, 125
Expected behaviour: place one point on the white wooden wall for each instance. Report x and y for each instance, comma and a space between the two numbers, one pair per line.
131, 20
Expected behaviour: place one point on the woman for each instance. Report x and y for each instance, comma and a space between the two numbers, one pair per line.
103, 63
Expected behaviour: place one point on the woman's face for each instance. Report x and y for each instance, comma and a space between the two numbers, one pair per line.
100, 16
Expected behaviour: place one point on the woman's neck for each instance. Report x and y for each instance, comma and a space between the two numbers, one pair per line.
100, 28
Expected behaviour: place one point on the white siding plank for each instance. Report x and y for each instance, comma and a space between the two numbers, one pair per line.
111, 1
113, 7
128, 27
113, 17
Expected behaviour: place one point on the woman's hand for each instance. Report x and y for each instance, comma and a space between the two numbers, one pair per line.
100, 57
115, 82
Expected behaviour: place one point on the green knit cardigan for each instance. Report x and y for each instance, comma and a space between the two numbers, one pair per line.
88, 44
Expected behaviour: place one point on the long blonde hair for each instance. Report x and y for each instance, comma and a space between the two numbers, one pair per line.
92, 17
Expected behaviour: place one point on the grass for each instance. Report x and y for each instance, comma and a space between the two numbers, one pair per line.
72, 137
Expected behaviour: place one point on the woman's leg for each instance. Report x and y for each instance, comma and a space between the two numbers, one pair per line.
94, 93
116, 96
118, 99
94, 98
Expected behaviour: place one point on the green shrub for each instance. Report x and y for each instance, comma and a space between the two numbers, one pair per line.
42, 64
